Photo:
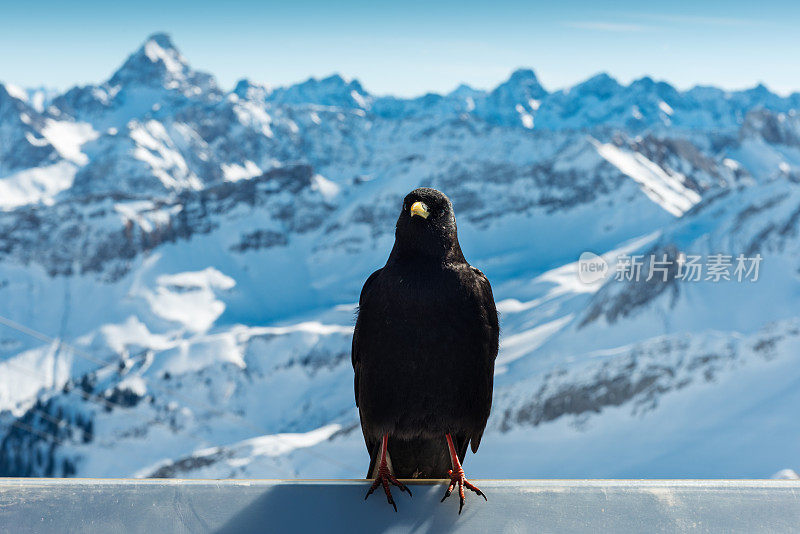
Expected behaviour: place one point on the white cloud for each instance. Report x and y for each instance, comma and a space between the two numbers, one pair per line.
692, 19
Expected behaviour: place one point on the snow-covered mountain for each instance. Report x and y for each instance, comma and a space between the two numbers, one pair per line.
179, 267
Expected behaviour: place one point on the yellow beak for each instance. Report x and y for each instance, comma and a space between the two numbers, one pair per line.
419, 208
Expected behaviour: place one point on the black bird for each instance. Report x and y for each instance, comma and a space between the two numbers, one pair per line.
424, 348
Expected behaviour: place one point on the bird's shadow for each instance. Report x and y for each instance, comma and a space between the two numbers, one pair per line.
308, 507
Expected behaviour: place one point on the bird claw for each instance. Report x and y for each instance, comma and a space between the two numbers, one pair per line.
385, 478
458, 479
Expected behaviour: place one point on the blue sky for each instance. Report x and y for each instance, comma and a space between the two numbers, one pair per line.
412, 47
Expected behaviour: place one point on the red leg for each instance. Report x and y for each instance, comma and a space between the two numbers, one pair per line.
457, 477
385, 476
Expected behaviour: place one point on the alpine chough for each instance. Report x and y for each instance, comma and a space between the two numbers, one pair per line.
424, 348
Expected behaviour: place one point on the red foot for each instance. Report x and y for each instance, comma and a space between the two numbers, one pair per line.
457, 477
385, 478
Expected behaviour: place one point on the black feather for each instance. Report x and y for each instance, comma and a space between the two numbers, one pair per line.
424, 345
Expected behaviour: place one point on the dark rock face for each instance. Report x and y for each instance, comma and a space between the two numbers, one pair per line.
186, 465
260, 239
638, 379
68, 238
636, 294
778, 129
22, 145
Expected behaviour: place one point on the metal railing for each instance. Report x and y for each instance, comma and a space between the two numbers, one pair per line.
125, 505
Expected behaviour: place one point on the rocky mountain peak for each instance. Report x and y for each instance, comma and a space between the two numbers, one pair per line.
159, 63
333, 90
521, 83
156, 62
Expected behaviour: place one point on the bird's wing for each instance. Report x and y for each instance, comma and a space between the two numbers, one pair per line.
484, 294
484, 290
354, 352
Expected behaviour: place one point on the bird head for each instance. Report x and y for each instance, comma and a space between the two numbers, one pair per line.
426, 226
